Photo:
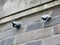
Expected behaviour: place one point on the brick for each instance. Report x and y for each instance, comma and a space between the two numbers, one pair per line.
53, 21
34, 26
8, 41
36, 34
53, 40
56, 12
33, 42
38, 42
57, 29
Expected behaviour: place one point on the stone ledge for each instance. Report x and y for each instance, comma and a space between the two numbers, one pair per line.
34, 10
17, 7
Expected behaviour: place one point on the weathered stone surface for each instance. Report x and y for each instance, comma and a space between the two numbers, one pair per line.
33, 42
54, 40
56, 12
8, 41
39, 42
34, 26
18, 5
2, 2
36, 34
25, 13
11, 32
51, 4
19, 44
6, 26
30, 19
53, 21
42, 1
5, 34
30, 34
57, 29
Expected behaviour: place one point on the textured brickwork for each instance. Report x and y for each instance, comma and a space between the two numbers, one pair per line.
7, 41
33, 35
54, 40
33, 31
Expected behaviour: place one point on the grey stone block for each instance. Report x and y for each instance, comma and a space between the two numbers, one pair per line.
54, 40
35, 43
56, 11
8, 41
34, 26
6, 26
57, 29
